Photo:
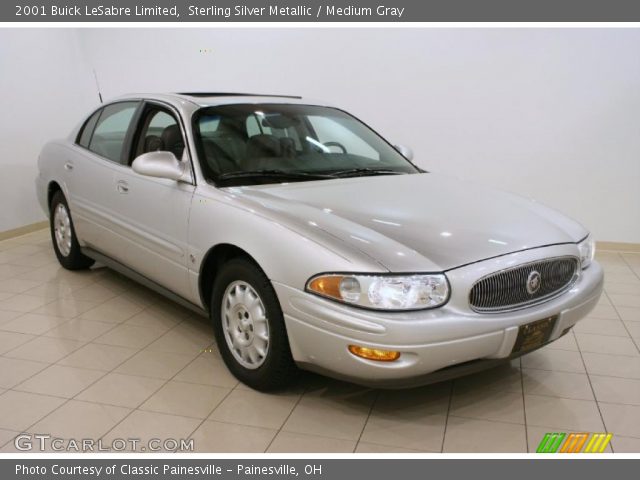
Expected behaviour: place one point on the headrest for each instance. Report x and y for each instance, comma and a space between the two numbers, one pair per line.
263, 146
172, 139
153, 143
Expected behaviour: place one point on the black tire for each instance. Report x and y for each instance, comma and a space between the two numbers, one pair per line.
74, 259
278, 369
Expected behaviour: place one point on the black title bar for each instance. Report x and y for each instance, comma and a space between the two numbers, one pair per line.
320, 11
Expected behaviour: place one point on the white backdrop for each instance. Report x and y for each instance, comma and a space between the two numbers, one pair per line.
45, 88
550, 113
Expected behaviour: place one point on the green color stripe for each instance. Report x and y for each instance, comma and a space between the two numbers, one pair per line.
560, 437
550, 442
542, 446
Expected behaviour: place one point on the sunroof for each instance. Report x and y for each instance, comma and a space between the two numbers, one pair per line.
230, 94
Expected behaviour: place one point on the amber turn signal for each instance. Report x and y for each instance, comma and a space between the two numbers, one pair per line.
374, 353
329, 286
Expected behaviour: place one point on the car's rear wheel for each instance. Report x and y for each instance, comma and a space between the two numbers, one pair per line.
63, 235
249, 327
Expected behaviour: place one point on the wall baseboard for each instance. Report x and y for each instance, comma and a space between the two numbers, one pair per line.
16, 232
618, 247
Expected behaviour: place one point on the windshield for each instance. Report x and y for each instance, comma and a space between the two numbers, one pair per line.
269, 143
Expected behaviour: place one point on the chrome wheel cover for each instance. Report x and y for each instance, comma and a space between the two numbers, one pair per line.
245, 324
62, 229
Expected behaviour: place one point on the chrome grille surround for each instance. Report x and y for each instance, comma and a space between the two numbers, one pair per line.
506, 290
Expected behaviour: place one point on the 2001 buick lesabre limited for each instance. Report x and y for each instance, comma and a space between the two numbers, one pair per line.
310, 241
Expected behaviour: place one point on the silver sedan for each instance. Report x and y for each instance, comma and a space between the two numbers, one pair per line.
310, 241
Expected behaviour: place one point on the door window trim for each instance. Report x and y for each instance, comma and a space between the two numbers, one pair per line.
125, 146
167, 107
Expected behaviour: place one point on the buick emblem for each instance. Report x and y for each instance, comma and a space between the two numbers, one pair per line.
534, 281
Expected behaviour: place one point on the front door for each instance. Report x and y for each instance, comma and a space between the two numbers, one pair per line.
155, 211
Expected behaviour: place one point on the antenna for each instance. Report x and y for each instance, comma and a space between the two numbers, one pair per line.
95, 76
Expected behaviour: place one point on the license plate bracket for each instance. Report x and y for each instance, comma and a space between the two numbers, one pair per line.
534, 335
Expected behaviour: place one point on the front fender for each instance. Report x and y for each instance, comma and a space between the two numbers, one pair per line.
287, 256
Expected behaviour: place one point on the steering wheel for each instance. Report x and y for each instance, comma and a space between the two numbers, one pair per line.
336, 144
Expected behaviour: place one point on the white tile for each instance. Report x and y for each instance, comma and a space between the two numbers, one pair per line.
625, 300
286, 442
149, 363
98, 357
339, 412
629, 314
115, 310
601, 327
590, 343
19, 410
556, 360
33, 324
128, 336
472, 435
248, 407
14, 371
152, 425
612, 365
621, 419
79, 420
217, 437
207, 369
186, 399
489, 405
12, 340
121, 390
569, 414
616, 390
60, 381
79, 329
45, 349
604, 312
22, 303
557, 384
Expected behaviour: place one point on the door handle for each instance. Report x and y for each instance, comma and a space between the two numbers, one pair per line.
122, 187
68, 166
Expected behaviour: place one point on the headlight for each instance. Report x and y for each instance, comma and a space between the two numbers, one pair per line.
587, 249
383, 292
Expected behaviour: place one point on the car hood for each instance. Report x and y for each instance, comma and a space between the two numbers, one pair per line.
396, 219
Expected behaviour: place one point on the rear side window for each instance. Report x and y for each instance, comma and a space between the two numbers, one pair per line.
87, 129
111, 129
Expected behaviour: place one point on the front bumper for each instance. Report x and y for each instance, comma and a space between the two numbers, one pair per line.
434, 344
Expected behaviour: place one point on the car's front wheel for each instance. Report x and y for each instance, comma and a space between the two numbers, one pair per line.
249, 327
63, 236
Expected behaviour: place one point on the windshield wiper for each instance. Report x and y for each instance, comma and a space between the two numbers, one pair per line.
271, 173
365, 171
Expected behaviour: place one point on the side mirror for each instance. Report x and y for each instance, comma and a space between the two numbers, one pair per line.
406, 152
159, 164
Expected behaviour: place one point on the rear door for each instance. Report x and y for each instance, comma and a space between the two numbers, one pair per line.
90, 171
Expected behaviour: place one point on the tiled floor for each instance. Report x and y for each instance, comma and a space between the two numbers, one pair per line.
93, 355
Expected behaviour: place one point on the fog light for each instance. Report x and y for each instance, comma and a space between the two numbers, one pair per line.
374, 353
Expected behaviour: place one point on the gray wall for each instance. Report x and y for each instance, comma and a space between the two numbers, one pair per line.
548, 113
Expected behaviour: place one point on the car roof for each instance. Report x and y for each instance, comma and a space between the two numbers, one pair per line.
192, 100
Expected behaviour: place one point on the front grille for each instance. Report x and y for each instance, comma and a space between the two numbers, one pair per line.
515, 287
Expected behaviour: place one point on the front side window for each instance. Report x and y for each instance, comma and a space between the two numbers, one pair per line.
111, 129
272, 143
160, 132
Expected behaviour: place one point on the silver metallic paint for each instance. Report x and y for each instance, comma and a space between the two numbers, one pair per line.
164, 229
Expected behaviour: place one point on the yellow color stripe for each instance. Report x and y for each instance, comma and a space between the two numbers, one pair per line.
598, 441
606, 441
590, 444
